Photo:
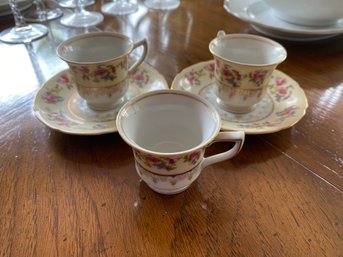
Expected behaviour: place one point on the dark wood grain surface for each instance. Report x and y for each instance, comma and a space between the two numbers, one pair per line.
68, 195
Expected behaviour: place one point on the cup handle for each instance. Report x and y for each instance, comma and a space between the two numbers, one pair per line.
221, 33
143, 43
232, 136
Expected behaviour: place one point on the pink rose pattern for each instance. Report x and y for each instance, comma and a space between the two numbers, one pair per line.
100, 73
193, 77
59, 118
235, 78
258, 77
231, 76
282, 91
283, 115
52, 95
165, 163
140, 77
62, 120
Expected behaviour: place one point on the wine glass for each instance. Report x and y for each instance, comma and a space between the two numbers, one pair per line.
119, 7
162, 4
40, 13
22, 32
72, 3
81, 18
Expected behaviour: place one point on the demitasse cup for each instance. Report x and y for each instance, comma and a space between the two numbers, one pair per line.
307, 12
243, 67
99, 63
169, 131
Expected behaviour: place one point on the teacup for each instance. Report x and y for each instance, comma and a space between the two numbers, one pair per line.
307, 12
99, 63
243, 67
169, 131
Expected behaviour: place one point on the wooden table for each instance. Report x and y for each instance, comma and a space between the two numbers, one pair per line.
69, 195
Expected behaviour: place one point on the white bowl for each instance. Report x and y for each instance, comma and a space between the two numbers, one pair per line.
308, 12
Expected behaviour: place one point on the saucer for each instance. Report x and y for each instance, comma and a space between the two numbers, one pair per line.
290, 36
58, 105
261, 16
283, 106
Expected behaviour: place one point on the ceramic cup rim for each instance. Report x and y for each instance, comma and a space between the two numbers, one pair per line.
248, 36
138, 98
92, 35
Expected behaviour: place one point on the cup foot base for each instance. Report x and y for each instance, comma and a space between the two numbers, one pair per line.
162, 5
101, 107
105, 107
239, 110
168, 185
167, 192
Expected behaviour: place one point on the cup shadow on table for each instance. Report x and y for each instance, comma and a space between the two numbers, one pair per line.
105, 153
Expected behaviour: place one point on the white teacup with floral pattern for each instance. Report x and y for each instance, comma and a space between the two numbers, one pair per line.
99, 64
169, 131
243, 66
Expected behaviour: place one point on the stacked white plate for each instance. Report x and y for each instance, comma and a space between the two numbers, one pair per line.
262, 19
6, 10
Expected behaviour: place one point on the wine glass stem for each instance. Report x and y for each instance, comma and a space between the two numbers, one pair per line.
18, 17
79, 6
20, 23
40, 9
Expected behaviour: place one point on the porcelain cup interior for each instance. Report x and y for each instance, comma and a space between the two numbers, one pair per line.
99, 64
169, 131
243, 67
308, 12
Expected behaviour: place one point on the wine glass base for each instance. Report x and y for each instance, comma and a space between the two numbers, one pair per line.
162, 4
25, 34
119, 8
46, 15
72, 3
82, 19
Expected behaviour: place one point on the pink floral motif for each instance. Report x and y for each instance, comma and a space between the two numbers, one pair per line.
283, 115
282, 91
210, 69
193, 77
290, 111
258, 76
280, 81
231, 76
166, 163
65, 80
100, 72
59, 118
140, 77
52, 97
193, 157
84, 69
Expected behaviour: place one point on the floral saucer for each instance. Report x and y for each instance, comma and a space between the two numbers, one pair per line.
284, 104
58, 105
